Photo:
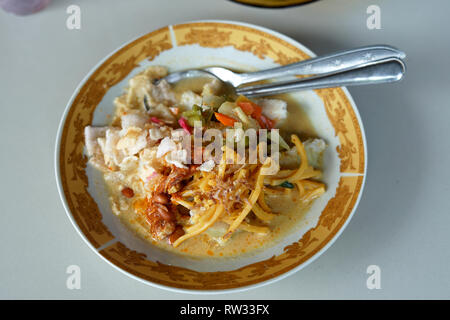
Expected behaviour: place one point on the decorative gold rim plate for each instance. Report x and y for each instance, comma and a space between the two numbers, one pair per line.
84, 212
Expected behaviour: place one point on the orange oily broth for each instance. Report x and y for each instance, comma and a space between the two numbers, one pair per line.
288, 208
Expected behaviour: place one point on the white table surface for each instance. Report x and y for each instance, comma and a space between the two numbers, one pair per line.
402, 223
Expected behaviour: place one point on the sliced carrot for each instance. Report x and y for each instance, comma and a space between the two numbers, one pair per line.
257, 111
254, 110
225, 120
250, 108
246, 106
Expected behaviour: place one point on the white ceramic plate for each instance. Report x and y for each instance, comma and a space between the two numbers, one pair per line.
191, 45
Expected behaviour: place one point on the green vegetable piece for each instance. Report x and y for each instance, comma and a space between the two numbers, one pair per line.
287, 184
196, 108
193, 115
207, 115
281, 141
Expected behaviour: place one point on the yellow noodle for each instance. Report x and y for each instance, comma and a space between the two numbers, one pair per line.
303, 163
261, 214
312, 184
201, 216
262, 201
310, 173
301, 188
187, 193
201, 227
282, 174
313, 194
251, 201
285, 175
275, 190
203, 184
247, 226
254, 229
184, 203
222, 165
241, 174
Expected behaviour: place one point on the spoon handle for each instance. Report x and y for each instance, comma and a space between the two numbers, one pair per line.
386, 70
334, 62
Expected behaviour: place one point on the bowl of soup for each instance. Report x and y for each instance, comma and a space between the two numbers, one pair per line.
189, 187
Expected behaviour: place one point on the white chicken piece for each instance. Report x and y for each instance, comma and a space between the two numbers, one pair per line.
162, 112
141, 87
112, 156
129, 164
91, 134
212, 88
207, 166
145, 171
155, 134
149, 162
165, 146
314, 149
178, 134
133, 120
93, 148
274, 109
178, 158
189, 98
133, 140
162, 92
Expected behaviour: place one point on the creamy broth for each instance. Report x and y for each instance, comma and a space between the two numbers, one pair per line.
290, 211
193, 84
297, 122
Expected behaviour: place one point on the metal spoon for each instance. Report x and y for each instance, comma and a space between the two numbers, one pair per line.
381, 71
341, 60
